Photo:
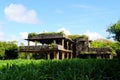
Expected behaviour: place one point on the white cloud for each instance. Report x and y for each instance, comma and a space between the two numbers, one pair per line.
18, 13
67, 32
93, 35
24, 35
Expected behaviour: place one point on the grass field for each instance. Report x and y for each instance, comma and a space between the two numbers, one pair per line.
73, 69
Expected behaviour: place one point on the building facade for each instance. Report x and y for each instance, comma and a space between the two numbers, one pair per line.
59, 46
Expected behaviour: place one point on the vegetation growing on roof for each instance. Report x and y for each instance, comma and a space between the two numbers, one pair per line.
56, 33
51, 33
77, 36
99, 43
32, 34
45, 33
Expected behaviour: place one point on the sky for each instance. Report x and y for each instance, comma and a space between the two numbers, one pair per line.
18, 18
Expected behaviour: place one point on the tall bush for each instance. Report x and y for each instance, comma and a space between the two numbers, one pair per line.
8, 50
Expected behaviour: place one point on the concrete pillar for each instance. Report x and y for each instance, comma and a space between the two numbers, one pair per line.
89, 56
103, 56
28, 43
87, 44
63, 43
48, 56
63, 55
71, 55
27, 53
111, 56
98, 56
67, 55
55, 55
58, 55
54, 41
35, 43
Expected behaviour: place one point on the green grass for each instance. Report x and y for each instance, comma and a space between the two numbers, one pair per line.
73, 69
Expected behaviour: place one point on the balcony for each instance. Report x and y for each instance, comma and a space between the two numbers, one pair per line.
41, 48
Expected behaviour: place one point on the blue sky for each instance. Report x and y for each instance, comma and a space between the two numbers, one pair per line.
90, 17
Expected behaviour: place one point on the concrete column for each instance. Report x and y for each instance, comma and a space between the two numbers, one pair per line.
48, 56
98, 56
55, 55
67, 55
63, 55
63, 43
54, 41
89, 56
71, 55
87, 44
28, 43
35, 43
27, 55
111, 56
58, 55
103, 56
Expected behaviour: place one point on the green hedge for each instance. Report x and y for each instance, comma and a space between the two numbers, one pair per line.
73, 69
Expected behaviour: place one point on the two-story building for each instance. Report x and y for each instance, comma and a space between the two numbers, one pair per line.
54, 45
59, 46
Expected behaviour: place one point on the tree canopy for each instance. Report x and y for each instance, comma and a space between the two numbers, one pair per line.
114, 30
8, 50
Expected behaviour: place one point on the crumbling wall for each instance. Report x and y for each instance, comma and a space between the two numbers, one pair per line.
80, 45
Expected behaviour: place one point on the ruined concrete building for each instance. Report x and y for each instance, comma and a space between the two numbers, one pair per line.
59, 46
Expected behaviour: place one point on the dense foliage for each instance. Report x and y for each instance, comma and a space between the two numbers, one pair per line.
74, 69
114, 29
105, 43
101, 43
8, 50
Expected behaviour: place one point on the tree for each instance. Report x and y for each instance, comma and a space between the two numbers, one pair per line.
114, 29
11, 50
